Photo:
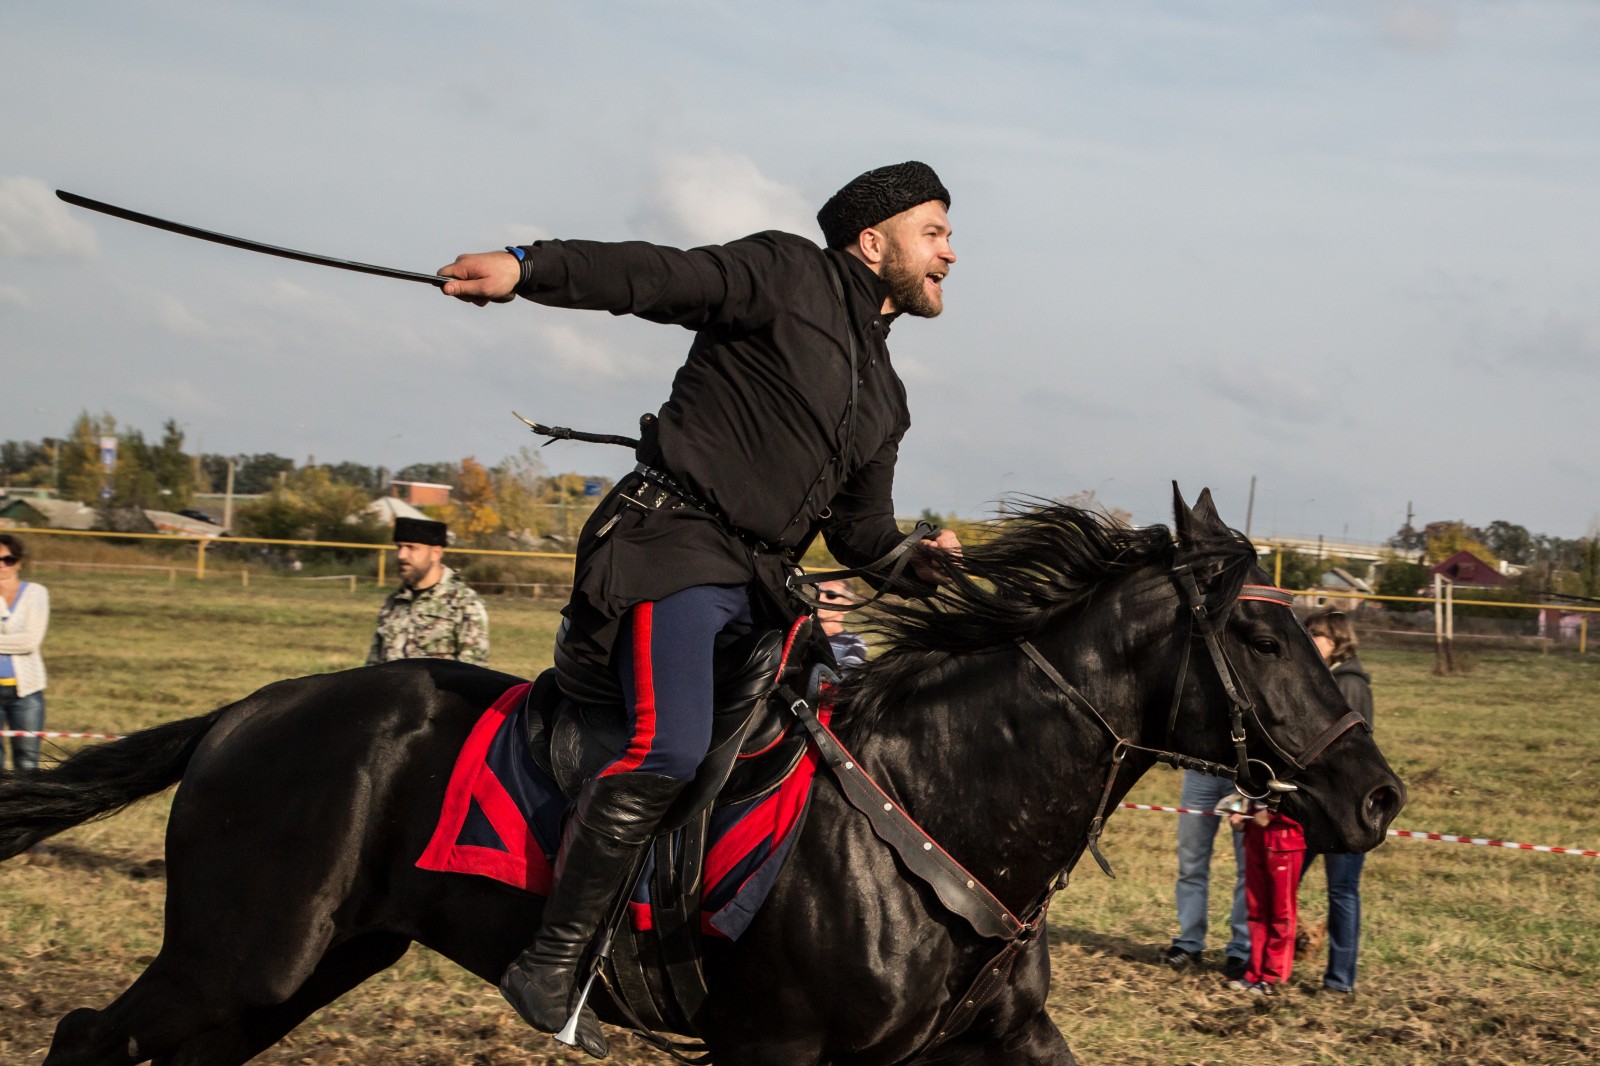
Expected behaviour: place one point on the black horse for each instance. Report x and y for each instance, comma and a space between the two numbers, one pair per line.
302, 810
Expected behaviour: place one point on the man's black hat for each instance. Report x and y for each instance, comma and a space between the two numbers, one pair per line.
877, 195
421, 531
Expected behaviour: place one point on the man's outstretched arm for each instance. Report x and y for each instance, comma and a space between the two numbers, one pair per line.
737, 284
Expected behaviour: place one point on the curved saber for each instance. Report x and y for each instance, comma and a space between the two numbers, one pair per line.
248, 245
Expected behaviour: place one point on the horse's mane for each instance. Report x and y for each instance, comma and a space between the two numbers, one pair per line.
1041, 562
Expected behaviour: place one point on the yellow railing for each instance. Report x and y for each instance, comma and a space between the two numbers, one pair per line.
202, 542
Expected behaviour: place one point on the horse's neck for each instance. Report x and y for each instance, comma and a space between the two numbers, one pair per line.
999, 770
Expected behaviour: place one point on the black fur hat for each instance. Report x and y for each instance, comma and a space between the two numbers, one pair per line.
878, 195
421, 531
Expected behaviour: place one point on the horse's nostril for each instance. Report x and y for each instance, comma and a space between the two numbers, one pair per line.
1382, 804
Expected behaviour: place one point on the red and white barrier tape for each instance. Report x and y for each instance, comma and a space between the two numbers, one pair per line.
51, 735
1412, 834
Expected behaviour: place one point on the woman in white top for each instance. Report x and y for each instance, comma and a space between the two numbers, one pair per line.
24, 616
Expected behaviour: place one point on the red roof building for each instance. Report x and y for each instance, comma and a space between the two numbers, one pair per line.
1464, 568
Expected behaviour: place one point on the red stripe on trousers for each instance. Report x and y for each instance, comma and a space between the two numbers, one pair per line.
644, 695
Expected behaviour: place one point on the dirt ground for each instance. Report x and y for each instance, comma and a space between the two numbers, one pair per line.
427, 1013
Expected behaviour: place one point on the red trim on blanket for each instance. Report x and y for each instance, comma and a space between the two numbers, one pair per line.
644, 695
775, 817
522, 864
641, 916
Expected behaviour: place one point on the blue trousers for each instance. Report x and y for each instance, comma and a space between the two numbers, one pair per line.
26, 713
1344, 918
1197, 834
664, 658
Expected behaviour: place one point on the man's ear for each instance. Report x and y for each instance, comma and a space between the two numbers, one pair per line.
872, 244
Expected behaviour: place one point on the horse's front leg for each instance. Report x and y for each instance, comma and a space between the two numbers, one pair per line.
1037, 1043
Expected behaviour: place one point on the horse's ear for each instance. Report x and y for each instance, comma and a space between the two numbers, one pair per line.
1204, 515
1182, 517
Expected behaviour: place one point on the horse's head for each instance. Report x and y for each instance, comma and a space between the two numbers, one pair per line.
1251, 664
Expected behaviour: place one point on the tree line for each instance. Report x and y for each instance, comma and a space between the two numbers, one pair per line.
514, 501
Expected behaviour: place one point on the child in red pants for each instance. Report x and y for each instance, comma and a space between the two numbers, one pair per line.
1274, 850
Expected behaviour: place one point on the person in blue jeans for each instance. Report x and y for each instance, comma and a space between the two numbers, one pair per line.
1335, 638
1197, 834
24, 617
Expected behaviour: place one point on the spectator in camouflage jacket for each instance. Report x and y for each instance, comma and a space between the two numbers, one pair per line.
433, 614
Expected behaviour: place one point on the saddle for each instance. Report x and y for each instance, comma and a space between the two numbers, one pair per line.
579, 722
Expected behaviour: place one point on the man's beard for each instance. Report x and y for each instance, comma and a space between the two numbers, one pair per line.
905, 285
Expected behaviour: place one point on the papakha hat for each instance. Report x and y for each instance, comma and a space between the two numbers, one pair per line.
421, 531
878, 195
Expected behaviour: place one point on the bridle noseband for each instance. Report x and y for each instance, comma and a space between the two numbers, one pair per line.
1204, 623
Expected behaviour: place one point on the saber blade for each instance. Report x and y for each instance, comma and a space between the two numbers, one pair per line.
248, 245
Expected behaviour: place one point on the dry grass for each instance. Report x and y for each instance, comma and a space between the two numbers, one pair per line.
1470, 955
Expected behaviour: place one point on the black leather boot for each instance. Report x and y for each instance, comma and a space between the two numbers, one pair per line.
615, 818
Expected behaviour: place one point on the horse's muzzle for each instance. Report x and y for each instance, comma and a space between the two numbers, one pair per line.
1381, 806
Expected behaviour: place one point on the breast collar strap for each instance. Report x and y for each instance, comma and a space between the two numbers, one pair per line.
1203, 624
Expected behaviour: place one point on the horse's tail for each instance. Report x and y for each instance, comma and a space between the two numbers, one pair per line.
96, 782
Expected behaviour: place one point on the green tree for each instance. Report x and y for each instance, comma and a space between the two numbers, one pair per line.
1398, 578
82, 473
1509, 541
436, 473
133, 483
1444, 539
1300, 571
310, 505
173, 470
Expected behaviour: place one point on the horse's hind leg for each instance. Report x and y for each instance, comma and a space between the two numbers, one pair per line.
258, 1028
173, 1021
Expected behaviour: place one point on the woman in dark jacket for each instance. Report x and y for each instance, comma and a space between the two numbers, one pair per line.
1335, 638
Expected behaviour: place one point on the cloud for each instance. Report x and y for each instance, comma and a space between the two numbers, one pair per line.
180, 397
1560, 343
1418, 27
35, 225
11, 296
1267, 393
718, 197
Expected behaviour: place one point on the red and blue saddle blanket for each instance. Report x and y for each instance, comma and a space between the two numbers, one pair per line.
502, 818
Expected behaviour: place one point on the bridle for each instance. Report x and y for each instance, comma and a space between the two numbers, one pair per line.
1206, 624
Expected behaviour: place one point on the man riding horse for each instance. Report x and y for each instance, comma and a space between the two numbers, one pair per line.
784, 422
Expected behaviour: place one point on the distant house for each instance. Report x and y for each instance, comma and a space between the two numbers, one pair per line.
1466, 569
386, 509
1338, 588
420, 493
172, 522
46, 514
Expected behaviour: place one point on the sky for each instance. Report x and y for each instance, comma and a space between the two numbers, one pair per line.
1345, 248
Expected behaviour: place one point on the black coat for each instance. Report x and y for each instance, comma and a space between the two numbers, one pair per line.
1356, 686
758, 424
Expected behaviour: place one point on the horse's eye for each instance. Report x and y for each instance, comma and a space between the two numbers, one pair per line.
1265, 646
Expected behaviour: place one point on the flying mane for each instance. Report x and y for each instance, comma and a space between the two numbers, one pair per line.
1040, 563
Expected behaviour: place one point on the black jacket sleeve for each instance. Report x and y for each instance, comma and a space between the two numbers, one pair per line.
862, 528
734, 285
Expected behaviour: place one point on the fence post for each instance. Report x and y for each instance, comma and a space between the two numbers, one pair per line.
383, 557
200, 559
1583, 635
244, 577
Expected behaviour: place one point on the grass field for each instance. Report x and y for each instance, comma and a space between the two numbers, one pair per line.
1469, 954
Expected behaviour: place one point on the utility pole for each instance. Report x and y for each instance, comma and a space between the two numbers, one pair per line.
227, 501
1250, 511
